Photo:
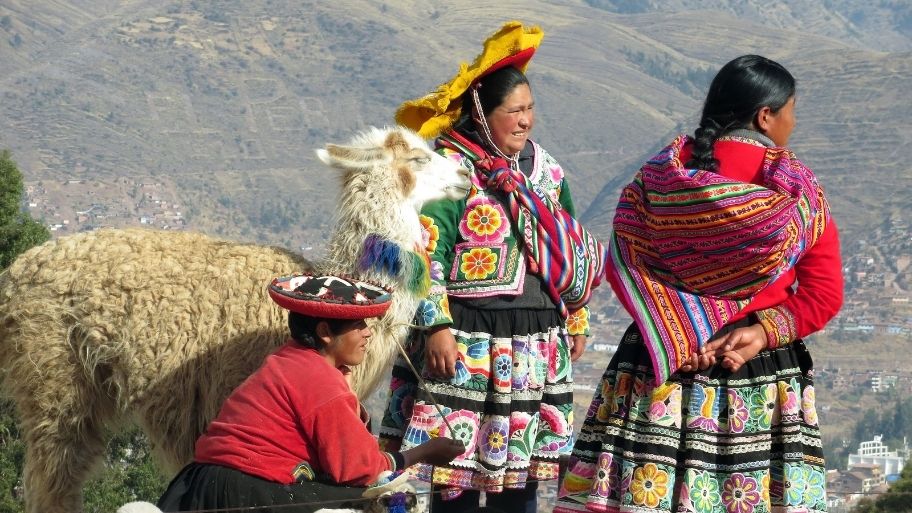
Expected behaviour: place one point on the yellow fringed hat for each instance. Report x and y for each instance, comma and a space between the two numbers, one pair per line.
430, 115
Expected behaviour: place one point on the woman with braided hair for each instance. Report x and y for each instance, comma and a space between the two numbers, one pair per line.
725, 255
511, 274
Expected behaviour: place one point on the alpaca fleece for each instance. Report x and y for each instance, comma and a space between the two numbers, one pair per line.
104, 329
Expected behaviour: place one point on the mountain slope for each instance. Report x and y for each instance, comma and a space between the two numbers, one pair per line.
225, 103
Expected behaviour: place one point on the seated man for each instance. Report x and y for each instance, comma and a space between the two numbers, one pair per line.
292, 433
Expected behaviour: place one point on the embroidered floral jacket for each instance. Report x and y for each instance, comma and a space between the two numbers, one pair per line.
474, 247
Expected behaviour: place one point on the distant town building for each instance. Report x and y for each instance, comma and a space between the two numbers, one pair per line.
854, 483
876, 453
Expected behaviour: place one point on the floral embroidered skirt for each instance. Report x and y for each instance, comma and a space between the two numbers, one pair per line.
510, 403
712, 442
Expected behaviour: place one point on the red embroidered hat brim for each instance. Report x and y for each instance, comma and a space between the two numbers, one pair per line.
519, 61
326, 309
329, 297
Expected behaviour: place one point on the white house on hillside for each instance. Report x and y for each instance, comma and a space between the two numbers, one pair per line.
876, 453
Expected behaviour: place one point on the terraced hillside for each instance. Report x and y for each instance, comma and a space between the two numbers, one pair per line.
226, 103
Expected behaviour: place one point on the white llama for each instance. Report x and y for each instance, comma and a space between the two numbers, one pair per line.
106, 328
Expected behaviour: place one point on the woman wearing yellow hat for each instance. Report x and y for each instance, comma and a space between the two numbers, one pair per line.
512, 272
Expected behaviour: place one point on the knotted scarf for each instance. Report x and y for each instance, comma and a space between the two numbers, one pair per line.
690, 247
570, 261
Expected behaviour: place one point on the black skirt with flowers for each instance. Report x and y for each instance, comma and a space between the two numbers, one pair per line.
511, 400
713, 441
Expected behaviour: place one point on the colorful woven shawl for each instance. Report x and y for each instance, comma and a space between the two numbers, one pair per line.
690, 248
569, 259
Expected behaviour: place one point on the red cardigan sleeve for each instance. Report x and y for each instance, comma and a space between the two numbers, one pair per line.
342, 445
818, 297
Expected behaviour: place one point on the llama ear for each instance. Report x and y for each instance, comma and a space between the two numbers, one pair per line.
350, 157
396, 142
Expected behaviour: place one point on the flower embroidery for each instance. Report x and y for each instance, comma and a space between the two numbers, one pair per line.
465, 426
485, 221
523, 430
649, 486
542, 355
436, 270
520, 372
606, 477
765, 489
557, 174
519, 421
664, 404
476, 352
657, 410
560, 360
674, 406
502, 367
705, 494
807, 406
444, 306
737, 412
794, 485
814, 487
430, 234
762, 405
478, 264
494, 440
578, 322
788, 399
427, 312
554, 419
740, 493
554, 429
578, 479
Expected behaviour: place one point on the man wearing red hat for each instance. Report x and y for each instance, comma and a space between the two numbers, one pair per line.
292, 433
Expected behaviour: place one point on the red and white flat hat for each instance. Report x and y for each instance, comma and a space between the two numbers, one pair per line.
329, 297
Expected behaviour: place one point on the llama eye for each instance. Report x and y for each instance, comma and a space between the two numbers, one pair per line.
421, 160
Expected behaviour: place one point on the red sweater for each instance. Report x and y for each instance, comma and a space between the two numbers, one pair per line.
818, 295
296, 408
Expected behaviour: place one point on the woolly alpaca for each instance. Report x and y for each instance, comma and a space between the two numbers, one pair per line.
105, 328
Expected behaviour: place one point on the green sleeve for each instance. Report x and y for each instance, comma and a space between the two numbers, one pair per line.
565, 199
441, 221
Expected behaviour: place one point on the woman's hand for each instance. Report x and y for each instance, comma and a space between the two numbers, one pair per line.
436, 451
577, 346
736, 347
440, 353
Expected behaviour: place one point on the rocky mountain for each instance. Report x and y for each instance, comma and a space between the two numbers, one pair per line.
878, 25
224, 102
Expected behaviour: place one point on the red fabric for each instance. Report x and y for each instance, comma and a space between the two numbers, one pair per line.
327, 310
818, 296
517, 60
295, 408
